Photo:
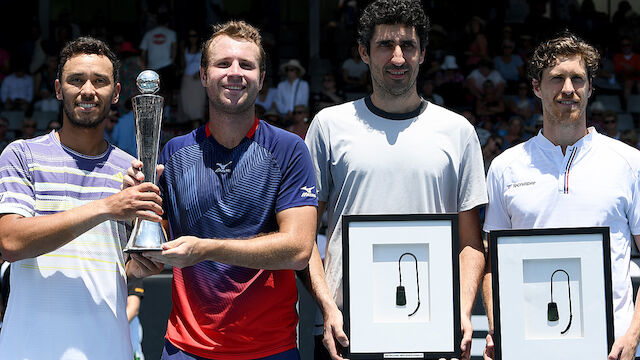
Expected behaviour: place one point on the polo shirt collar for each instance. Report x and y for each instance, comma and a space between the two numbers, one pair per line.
584, 142
249, 134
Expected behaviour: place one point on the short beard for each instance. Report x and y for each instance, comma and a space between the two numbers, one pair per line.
84, 124
249, 105
395, 91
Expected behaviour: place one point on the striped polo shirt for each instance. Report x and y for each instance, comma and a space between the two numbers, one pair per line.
69, 303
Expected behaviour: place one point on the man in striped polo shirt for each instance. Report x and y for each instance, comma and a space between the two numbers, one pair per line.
62, 222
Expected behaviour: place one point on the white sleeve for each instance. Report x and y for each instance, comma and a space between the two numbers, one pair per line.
317, 141
497, 216
633, 212
472, 189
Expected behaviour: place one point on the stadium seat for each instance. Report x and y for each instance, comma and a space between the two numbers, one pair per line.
610, 102
15, 119
625, 121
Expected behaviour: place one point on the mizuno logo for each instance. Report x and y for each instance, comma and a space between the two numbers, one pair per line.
222, 168
308, 192
1, 197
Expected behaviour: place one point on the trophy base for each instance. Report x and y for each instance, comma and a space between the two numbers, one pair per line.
146, 236
139, 250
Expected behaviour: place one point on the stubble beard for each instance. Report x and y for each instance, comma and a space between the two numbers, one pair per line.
244, 107
76, 121
395, 91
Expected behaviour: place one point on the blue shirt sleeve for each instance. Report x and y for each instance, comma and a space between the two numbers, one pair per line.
298, 185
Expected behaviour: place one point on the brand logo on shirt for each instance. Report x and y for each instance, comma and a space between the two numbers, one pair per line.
118, 177
222, 168
521, 184
308, 192
1, 197
159, 39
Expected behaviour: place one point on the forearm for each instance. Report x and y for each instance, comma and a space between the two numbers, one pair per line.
27, 237
22, 237
273, 251
471, 270
133, 306
471, 257
288, 248
315, 282
487, 295
634, 327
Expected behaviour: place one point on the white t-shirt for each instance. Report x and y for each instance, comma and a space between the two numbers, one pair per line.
288, 95
269, 100
595, 183
157, 42
479, 79
371, 162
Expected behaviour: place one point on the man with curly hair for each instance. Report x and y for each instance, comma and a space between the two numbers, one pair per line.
603, 189
393, 152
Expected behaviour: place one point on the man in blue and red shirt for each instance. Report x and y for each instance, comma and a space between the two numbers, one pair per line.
239, 195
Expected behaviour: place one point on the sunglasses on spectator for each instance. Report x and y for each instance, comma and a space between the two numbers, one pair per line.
610, 121
298, 112
29, 125
290, 69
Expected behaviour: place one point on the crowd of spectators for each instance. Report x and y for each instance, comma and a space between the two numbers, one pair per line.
477, 70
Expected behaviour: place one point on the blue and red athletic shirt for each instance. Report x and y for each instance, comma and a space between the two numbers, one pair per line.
224, 311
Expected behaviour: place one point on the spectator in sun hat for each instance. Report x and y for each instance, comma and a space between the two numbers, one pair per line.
292, 90
449, 81
484, 72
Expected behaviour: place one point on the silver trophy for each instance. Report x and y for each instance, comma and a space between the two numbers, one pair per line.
147, 111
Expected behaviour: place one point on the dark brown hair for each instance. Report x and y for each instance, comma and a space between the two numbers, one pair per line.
88, 45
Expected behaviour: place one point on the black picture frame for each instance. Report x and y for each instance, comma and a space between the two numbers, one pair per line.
446, 224
542, 241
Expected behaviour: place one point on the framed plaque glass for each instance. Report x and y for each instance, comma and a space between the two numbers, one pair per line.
552, 293
401, 286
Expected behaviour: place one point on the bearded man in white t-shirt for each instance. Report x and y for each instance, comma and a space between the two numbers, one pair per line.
394, 153
571, 176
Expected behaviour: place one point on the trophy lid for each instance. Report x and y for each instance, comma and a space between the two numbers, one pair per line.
148, 82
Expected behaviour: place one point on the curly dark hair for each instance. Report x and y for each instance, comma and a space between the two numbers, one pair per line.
389, 12
238, 30
563, 45
88, 45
